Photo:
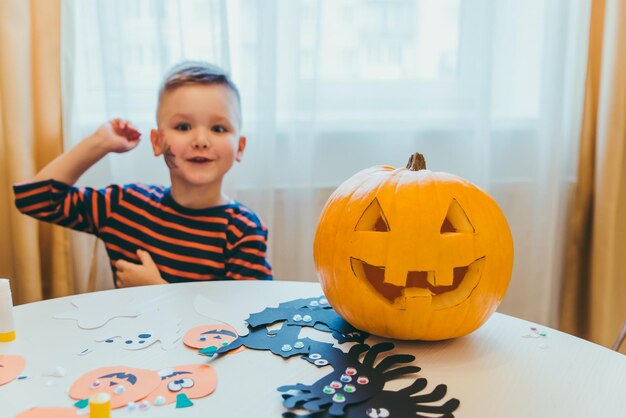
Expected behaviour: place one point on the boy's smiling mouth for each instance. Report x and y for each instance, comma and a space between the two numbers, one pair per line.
200, 160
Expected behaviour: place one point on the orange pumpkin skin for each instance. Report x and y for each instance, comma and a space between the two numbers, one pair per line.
434, 264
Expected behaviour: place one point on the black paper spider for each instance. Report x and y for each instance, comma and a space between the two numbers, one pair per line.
283, 342
405, 403
351, 381
306, 315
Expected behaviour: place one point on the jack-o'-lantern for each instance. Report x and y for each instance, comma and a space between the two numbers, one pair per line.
10, 367
193, 380
124, 384
412, 254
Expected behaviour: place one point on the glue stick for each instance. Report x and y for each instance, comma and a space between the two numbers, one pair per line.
100, 405
7, 331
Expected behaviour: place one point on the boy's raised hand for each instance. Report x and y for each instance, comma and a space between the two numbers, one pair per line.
130, 274
118, 135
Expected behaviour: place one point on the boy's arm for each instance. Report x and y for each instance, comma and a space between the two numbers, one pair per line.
116, 135
247, 253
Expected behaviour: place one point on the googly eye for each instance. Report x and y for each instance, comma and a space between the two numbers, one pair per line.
339, 398
321, 362
362, 380
315, 356
187, 383
335, 385
174, 386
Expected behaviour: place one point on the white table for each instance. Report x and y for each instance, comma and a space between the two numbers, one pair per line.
497, 371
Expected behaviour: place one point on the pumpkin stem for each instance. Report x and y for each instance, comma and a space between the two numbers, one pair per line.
416, 162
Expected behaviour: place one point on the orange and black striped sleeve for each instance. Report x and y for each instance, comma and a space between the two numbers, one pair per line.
246, 252
82, 209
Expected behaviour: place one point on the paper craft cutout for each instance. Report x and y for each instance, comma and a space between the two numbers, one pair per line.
10, 367
58, 371
351, 382
193, 380
407, 402
218, 335
229, 314
182, 401
312, 312
146, 330
52, 412
95, 311
83, 403
283, 342
124, 384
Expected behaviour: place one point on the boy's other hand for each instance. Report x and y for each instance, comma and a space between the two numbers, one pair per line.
130, 274
118, 135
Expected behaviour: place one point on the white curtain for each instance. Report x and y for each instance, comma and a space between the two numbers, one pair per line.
488, 90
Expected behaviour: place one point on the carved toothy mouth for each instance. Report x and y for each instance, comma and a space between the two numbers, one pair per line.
418, 284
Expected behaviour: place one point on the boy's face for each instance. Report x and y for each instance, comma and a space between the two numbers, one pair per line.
198, 134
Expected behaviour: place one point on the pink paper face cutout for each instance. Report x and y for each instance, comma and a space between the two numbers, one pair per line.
124, 384
194, 380
217, 335
52, 412
10, 367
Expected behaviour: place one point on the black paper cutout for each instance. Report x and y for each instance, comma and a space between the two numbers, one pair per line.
404, 403
352, 381
309, 313
283, 342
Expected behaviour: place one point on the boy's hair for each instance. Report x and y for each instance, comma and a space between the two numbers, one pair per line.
198, 72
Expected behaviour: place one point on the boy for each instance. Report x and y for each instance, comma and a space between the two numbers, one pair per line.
153, 235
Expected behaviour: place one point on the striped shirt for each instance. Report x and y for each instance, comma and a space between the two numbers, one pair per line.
218, 243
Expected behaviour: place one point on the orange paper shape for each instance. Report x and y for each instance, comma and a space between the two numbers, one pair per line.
194, 380
217, 335
10, 367
124, 384
52, 412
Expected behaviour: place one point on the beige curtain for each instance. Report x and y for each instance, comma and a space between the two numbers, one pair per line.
594, 282
33, 255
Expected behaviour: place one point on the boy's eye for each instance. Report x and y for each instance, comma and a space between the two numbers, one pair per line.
218, 129
183, 127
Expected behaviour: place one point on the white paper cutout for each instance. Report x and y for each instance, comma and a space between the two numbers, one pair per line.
58, 371
146, 330
94, 311
227, 314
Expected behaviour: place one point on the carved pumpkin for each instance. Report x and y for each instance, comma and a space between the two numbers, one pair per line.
412, 254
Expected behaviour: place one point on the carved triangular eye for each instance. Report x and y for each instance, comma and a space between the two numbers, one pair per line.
373, 219
456, 220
